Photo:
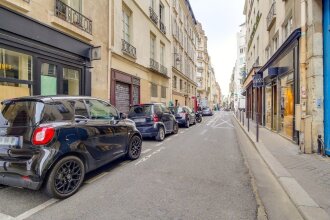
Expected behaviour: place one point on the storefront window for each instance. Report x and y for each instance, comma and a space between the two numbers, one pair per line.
48, 79
71, 81
14, 66
268, 105
287, 105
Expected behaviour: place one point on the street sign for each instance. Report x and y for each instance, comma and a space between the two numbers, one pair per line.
258, 80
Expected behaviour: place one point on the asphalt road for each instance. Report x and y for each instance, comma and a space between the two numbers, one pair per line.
196, 174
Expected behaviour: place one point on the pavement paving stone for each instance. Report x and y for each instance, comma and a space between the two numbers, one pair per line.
311, 171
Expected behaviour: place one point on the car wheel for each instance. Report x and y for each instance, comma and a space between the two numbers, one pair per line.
161, 134
134, 148
187, 123
65, 178
175, 128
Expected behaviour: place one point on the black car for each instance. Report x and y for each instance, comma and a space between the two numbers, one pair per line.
54, 141
153, 120
185, 116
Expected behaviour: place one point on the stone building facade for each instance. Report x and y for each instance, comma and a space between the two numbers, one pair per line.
284, 56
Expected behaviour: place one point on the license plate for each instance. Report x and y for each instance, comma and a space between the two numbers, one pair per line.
12, 141
140, 120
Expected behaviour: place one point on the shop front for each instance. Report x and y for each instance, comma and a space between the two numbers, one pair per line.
281, 78
40, 62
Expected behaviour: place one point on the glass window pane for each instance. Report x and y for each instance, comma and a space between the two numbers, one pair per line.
48, 79
15, 65
101, 110
71, 81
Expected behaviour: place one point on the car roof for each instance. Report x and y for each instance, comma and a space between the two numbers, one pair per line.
47, 99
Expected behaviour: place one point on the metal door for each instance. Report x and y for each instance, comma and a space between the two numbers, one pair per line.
122, 97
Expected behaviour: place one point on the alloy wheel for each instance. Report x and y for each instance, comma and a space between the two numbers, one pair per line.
135, 148
68, 177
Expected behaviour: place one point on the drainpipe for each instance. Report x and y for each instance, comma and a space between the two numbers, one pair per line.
305, 134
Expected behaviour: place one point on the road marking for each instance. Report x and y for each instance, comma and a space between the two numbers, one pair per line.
6, 217
203, 132
36, 209
168, 139
145, 151
175, 135
181, 132
149, 156
96, 178
157, 145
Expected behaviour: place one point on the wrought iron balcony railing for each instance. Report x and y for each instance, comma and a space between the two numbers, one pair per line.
162, 27
163, 69
154, 65
72, 16
153, 15
271, 17
128, 49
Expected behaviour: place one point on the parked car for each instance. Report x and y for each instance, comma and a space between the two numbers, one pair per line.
54, 141
206, 111
185, 116
153, 120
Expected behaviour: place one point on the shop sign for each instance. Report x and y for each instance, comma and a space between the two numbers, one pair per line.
4, 66
258, 81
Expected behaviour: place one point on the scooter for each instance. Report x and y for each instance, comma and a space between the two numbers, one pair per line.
199, 117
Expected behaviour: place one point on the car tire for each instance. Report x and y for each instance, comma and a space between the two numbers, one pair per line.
134, 148
175, 128
62, 176
161, 134
187, 125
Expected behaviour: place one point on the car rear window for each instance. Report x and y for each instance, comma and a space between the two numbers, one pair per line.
21, 113
141, 110
29, 113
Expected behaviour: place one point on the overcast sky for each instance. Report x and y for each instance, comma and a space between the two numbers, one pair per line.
220, 20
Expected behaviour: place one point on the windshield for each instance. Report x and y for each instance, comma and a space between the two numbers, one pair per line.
141, 110
21, 113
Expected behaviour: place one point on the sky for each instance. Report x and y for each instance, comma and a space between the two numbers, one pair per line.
220, 20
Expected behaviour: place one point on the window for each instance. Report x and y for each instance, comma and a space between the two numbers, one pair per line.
154, 90
180, 84
174, 82
126, 25
288, 27
80, 109
152, 46
75, 4
152, 4
163, 92
162, 54
101, 110
71, 81
161, 12
48, 79
275, 43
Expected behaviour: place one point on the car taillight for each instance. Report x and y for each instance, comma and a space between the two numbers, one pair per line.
43, 135
155, 118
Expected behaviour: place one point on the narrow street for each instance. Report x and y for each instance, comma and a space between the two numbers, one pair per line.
196, 174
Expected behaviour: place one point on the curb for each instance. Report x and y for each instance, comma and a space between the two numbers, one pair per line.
306, 206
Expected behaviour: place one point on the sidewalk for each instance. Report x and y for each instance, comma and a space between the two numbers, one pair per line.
304, 177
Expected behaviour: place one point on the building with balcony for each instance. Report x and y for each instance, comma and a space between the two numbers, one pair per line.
140, 52
240, 68
52, 47
184, 44
284, 88
203, 79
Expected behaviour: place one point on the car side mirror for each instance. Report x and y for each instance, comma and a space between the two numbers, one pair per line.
123, 115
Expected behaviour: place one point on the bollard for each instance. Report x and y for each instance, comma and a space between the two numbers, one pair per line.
248, 123
257, 135
243, 120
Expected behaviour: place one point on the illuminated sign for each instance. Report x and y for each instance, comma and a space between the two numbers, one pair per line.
4, 66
